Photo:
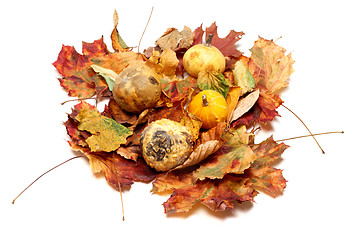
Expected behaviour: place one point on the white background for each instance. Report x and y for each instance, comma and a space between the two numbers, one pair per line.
72, 203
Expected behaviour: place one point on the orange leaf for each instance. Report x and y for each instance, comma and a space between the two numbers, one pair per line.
271, 58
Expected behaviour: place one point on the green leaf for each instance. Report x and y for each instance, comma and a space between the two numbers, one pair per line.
243, 77
213, 81
109, 75
107, 134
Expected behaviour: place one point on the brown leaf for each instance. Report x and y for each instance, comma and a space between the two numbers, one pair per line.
117, 170
116, 112
244, 105
261, 174
208, 143
174, 40
263, 111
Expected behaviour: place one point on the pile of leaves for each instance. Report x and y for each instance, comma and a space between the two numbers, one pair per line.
226, 165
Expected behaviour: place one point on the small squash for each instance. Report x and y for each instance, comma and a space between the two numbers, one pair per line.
137, 88
203, 58
166, 144
210, 106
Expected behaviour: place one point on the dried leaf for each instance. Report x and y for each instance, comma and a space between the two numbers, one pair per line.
226, 45
233, 157
271, 58
213, 81
232, 100
107, 134
177, 89
264, 109
75, 68
244, 105
208, 143
262, 176
109, 75
117, 170
174, 39
243, 78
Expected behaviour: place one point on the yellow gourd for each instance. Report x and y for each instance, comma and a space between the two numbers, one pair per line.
210, 106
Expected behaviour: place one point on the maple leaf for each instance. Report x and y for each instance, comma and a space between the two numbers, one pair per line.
177, 89
75, 70
226, 45
271, 58
106, 134
117, 170
233, 157
218, 195
261, 174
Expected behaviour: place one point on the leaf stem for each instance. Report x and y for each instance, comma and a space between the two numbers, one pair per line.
13, 201
315, 134
305, 127
140, 40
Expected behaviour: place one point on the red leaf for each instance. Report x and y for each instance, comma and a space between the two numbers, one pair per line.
263, 111
75, 68
225, 45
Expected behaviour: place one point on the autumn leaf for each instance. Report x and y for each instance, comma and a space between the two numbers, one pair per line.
113, 110
218, 195
232, 100
75, 68
243, 77
208, 143
213, 81
262, 175
177, 89
226, 45
263, 111
174, 39
271, 58
107, 134
118, 44
244, 105
233, 157
117, 170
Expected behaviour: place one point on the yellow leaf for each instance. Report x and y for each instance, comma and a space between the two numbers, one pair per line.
107, 134
232, 99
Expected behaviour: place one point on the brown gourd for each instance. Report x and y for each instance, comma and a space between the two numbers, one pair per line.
166, 144
137, 88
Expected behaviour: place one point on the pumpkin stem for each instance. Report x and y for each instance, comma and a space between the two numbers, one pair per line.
209, 40
205, 100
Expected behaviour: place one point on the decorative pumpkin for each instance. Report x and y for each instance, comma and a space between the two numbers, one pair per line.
137, 88
210, 106
203, 58
166, 144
